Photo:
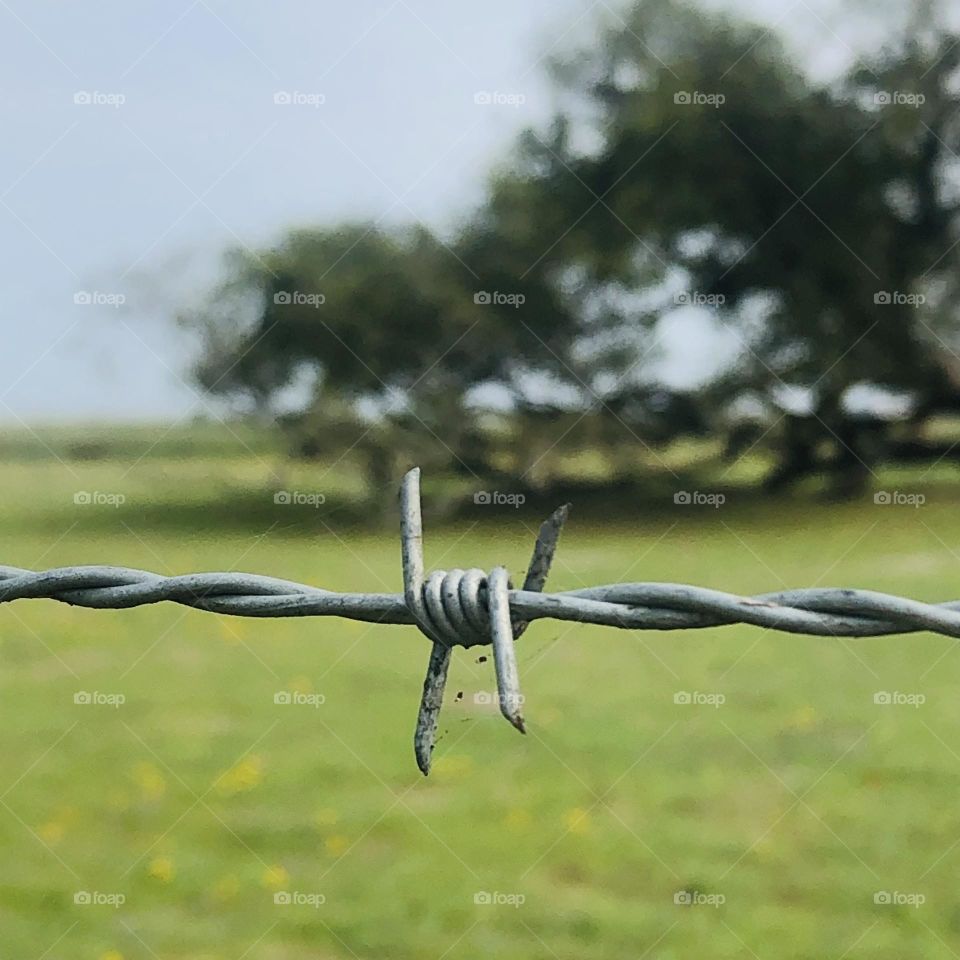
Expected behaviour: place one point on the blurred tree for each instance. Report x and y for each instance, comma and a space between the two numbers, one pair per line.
691, 162
385, 333
820, 221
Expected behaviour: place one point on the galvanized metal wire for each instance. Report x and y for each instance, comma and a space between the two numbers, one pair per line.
467, 608
821, 611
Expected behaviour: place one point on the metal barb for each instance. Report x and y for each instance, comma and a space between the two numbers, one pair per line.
504, 654
431, 700
543, 550
446, 608
411, 543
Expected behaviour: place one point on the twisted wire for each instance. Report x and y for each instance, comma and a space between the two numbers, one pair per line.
469, 607
461, 597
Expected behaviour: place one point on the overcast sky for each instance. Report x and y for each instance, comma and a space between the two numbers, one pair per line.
141, 139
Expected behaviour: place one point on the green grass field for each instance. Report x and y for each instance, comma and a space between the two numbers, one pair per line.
784, 811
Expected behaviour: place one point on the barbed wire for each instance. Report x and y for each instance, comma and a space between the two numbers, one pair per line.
470, 607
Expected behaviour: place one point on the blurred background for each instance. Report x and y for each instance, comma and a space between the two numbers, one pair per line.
692, 267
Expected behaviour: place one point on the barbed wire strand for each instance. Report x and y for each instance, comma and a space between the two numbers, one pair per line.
469, 608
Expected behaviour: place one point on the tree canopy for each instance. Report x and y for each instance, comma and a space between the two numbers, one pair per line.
691, 162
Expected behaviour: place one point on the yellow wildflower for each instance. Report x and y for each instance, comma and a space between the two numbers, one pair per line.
162, 869
245, 775
275, 877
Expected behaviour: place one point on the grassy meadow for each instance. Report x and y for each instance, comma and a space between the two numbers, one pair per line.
201, 819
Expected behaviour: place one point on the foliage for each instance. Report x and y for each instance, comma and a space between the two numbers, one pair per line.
690, 160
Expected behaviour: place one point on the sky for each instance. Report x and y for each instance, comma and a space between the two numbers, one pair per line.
142, 140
